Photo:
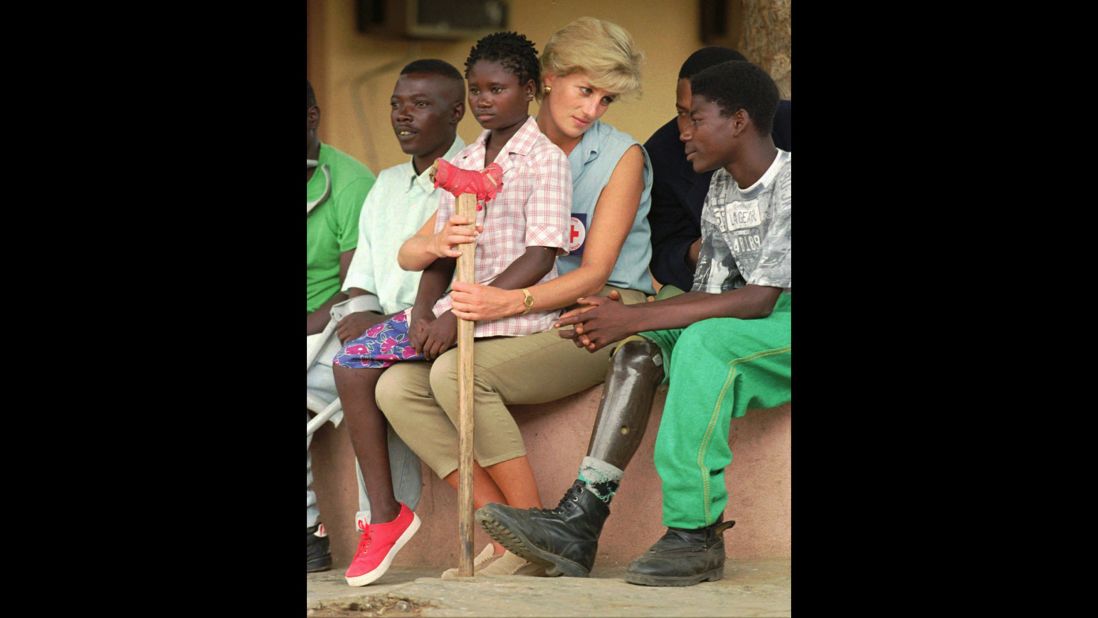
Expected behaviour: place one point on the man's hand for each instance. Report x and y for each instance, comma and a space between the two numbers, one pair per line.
441, 334
355, 324
571, 333
599, 322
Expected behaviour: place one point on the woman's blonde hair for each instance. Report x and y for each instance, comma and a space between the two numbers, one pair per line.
604, 51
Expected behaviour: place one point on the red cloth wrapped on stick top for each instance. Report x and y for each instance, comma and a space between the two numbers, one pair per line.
484, 183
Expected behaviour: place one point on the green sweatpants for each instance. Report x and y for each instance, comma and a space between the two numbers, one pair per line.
718, 369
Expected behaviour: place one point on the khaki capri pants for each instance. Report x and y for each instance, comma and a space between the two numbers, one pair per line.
420, 399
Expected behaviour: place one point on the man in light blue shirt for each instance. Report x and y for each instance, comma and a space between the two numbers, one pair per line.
426, 106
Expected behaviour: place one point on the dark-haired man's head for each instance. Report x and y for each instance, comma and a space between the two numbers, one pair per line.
503, 73
698, 61
705, 58
740, 85
432, 65
426, 105
312, 122
733, 105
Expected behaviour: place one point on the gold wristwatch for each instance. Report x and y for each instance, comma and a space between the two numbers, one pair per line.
527, 300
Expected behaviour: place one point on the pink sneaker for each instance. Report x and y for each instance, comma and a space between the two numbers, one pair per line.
378, 546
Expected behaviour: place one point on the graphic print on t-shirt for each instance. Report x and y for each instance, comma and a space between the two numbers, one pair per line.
735, 239
746, 233
740, 215
742, 221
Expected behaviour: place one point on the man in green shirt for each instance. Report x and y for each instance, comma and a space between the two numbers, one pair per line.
337, 188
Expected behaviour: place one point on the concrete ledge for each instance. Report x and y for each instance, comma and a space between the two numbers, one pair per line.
749, 588
556, 437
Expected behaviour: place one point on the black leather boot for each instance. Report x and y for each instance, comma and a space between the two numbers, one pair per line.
318, 557
563, 540
682, 558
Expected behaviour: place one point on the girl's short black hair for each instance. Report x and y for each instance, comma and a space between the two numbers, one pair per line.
513, 51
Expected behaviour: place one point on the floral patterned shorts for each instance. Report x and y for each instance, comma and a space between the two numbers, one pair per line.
380, 346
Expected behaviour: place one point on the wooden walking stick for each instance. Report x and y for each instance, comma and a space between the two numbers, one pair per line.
468, 187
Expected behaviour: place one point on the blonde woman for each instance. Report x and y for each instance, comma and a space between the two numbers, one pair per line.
586, 66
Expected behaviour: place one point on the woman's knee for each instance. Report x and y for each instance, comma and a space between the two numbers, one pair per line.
443, 380
398, 384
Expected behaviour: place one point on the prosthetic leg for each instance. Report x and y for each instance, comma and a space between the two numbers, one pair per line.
636, 370
565, 540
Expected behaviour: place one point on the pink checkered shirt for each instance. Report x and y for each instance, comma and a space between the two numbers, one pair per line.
534, 208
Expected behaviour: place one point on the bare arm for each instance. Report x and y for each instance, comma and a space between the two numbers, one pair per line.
432, 285
526, 270
603, 321
615, 212
415, 253
318, 319
425, 246
354, 324
431, 336
747, 303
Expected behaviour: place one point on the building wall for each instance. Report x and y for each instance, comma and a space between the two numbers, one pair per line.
354, 72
